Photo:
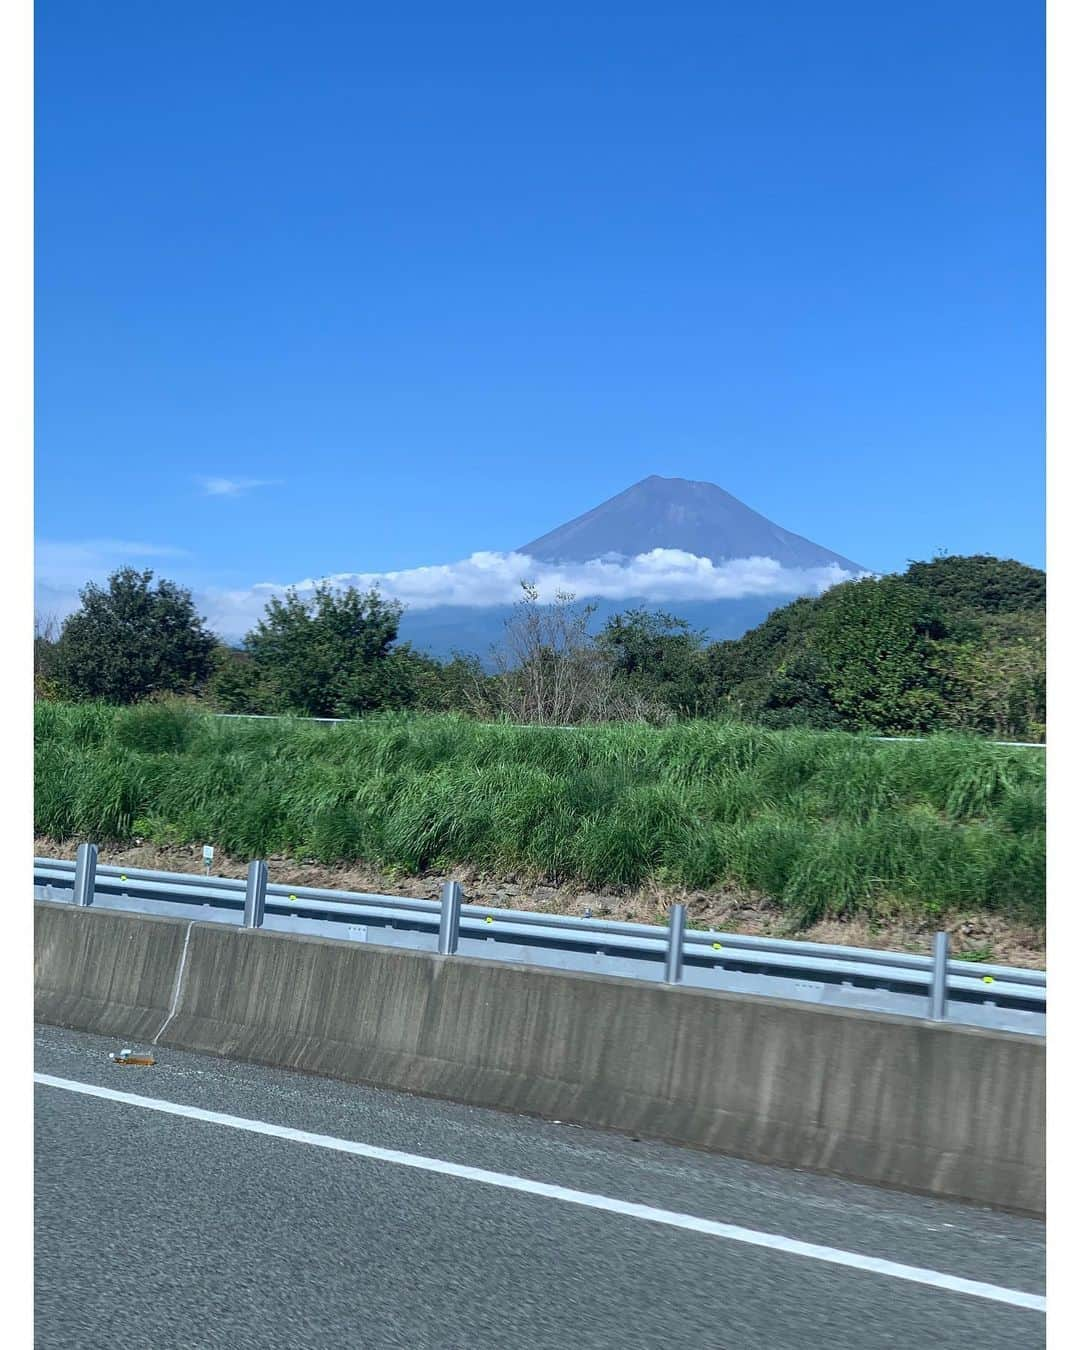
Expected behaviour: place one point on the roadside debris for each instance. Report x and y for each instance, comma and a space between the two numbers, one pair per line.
127, 1057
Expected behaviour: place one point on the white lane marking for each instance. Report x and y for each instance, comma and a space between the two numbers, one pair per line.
834, 1256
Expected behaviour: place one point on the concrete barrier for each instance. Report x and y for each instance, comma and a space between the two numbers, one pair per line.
945, 1110
115, 975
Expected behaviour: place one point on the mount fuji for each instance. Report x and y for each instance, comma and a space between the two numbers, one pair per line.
665, 543
674, 513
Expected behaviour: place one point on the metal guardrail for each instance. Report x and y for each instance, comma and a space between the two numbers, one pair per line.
934, 987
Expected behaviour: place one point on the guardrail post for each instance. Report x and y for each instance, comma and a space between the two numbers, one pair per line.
939, 980
676, 932
255, 895
85, 872
450, 918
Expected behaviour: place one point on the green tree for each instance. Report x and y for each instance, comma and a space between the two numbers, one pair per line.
875, 639
980, 583
236, 685
460, 685
772, 674
46, 632
1000, 680
331, 655
130, 640
658, 657
955, 642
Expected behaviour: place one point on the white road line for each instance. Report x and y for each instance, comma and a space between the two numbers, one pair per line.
1017, 1298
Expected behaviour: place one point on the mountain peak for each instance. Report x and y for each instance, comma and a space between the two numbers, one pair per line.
678, 513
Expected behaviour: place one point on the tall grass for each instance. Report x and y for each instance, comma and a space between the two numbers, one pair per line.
824, 823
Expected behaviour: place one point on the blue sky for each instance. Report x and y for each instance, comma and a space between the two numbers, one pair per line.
339, 287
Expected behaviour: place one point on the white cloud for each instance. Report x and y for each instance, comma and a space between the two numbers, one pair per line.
233, 487
486, 579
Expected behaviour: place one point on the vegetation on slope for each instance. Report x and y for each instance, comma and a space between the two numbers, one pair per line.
828, 824
956, 644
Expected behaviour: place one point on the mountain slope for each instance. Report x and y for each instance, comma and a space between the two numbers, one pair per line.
699, 518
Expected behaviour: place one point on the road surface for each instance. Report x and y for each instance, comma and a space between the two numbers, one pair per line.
254, 1209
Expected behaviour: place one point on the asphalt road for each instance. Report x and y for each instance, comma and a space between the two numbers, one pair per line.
165, 1232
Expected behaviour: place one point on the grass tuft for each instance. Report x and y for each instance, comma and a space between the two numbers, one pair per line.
826, 823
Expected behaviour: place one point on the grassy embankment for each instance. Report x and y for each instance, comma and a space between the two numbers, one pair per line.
825, 824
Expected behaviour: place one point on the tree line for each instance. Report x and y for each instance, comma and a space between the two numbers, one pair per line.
957, 643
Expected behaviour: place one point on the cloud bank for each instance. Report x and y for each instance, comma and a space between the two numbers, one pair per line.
481, 581
486, 579
233, 487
